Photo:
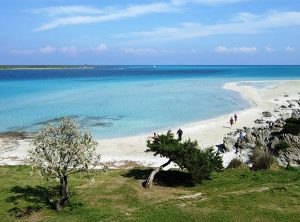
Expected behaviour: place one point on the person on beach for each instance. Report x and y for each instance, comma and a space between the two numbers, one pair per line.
155, 136
239, 141
241, 136
231, 121
271, 124
235, 118
179, 133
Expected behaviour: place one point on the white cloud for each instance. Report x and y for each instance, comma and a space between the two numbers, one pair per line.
150, 51
67, 10
243, 23
224, 49
139, 51
206, 2
100, 48
47, 49
82, 15
269, 49
69, 50
290, 49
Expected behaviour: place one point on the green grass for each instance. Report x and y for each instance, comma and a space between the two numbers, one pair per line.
233, 195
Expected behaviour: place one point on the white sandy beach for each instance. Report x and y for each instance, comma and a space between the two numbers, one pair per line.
130, 151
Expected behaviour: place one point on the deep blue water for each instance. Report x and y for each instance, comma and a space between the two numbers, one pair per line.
115, 101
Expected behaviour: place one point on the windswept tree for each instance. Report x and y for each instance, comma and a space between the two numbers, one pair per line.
187, 154
61, 151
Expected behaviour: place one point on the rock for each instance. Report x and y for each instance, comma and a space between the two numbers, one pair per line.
295, 113
244, 145
283, 106
286, 95
262, 136
267, 114
285, 115
291, 139
291, 105
259, 121
249, 138
247, 129
229, 143
292, 154
273, 142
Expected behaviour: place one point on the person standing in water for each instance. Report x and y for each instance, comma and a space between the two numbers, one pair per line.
179, 133
231, 121
235, 118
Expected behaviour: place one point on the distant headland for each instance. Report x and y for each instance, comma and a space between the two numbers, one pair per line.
23, 67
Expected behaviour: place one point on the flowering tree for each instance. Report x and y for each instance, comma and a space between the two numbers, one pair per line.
61, 151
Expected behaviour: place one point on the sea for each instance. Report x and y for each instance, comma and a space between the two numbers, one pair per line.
119, 101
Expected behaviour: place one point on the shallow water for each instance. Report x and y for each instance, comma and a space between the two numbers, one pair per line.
114, 101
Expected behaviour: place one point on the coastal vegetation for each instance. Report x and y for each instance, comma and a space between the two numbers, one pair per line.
292, 126
61, 151
262, 160
187, 155
236, 163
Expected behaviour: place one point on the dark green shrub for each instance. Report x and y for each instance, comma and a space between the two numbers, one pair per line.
282, 146
187, 154
292, 126
262, 160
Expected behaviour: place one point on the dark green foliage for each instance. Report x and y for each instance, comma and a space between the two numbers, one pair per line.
187, 155
292, 126
262, 160
282, 146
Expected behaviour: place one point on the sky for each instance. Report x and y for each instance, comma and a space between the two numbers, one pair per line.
170, 32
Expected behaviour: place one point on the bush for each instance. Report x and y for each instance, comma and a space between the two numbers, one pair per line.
236, 164
200, 163
292, 126
282, 146
187, 154
262, 160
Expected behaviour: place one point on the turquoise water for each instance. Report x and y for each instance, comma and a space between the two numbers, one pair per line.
114, 101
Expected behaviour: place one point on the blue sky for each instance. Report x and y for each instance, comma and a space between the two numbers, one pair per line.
103, 32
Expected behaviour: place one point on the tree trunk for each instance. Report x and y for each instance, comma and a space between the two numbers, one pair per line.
148, 183
63, 193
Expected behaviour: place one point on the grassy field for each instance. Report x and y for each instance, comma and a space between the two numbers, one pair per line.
233, 195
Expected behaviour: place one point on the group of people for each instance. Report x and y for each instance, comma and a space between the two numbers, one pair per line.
232, 121
179, 135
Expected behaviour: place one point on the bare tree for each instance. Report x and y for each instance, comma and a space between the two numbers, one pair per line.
61, 151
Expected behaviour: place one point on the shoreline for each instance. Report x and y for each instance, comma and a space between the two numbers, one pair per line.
126, 152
